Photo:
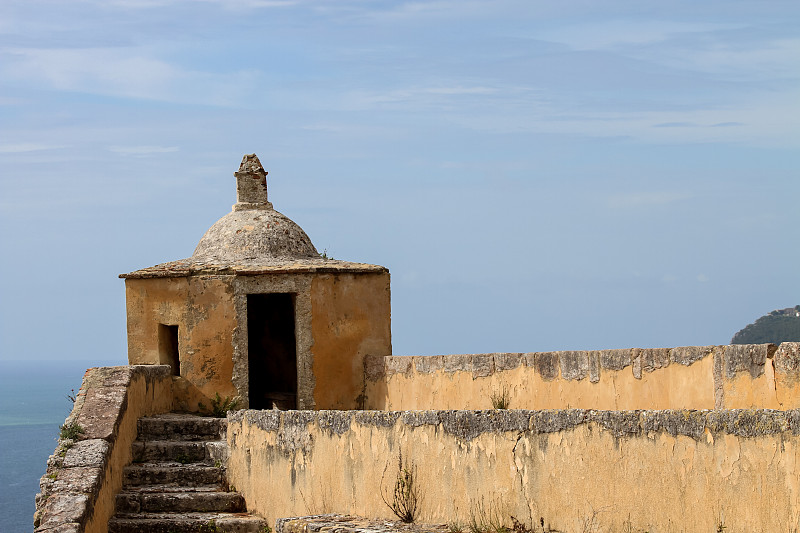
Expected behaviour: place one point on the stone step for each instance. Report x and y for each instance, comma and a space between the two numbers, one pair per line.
217, 487
182, 452
177, 482
191, 475
187, 523
181, 427
179, 501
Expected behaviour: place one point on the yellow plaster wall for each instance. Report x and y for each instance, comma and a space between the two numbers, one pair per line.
203, 309
693, 377
350, 318
786, 362
604, 471
674, 387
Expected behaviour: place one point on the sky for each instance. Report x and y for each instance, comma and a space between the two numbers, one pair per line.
536, 175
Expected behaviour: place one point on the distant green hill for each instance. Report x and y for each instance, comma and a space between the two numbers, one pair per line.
778, 326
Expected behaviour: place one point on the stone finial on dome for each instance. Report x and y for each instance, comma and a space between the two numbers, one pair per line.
251, 185
253, 232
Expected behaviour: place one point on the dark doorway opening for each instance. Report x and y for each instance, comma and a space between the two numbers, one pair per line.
271, 351
168, 347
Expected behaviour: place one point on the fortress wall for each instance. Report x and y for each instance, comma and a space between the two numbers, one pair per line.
692, 377
82, 477
573, 470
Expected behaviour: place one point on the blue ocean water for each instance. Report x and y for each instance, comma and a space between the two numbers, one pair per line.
33, 404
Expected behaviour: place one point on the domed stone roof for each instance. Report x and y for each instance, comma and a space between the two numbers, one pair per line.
254, 239
253, 231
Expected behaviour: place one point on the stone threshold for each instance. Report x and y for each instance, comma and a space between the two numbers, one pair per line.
337, 523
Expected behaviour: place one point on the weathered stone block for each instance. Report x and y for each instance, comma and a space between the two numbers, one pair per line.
61, 528
686, 355
351, 524
748, 422
747, 357
787, 358
293, 434
466, 425
91, 452
398, 365
529, 359
337, 422
507, 361
551, 421
594, 366
457, 363
636, 361
574, 364
620, 423
546, 364
64, 508
615, 359
102, 412
688, 423
429, 363
268, 420
115, 376
482, 365
420, 418
83, 479
377, 418
654, 358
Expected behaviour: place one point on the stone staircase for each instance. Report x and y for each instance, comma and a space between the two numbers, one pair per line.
177, 482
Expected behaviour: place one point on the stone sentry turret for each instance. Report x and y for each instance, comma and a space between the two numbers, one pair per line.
256, 313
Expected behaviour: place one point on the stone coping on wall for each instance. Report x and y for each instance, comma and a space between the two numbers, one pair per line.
77, 470
580, 364
338, 523
191, 267
290, 426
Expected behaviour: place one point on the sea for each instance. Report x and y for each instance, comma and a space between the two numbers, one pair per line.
34, 401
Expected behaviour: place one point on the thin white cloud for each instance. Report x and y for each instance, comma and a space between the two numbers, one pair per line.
764, 59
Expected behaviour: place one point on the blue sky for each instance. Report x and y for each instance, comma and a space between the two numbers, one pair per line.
536, 175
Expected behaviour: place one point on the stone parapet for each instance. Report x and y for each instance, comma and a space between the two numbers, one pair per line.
292, 428
85, 472
649, 470
689, 377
